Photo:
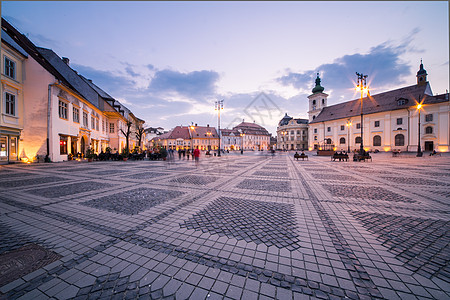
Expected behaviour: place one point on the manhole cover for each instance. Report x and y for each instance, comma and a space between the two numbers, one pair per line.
22, 261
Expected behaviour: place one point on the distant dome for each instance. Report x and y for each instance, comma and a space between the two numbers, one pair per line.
285, 120
318, 88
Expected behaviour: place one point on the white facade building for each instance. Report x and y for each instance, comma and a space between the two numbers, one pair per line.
292, 134
390, 120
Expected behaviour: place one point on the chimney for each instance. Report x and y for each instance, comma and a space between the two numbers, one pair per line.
66, 60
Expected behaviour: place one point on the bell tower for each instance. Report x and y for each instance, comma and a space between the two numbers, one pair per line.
421, 75
317, 100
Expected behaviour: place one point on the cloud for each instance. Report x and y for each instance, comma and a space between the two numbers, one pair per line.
383, 64
193, 84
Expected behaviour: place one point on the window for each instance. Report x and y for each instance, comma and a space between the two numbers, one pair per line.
92, 122
85, 119
96, 124
329, 129
315, 130
10, 68
401, 101
292, 138
342, 127
328, 141
358, 140
103, 125
399, 140
358, 125
10, 103
111, 127
76, 115
323, 101
315, 138
377, 124
314, 102
62, 109
429, 118
377, 140
399, 121
342, 140
304, 132
429, 130
314, 117
62, 145
292, 132
298, 132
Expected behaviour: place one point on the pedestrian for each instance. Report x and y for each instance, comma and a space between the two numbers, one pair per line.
184, 154
188, 153
179, 154
197, 156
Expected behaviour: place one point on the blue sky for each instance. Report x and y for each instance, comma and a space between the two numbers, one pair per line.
170, 61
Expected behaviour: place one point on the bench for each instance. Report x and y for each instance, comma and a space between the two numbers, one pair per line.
364, 157
396, 152
339, 156
302, 156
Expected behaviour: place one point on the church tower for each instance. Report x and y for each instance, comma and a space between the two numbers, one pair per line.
317, 100
421, 75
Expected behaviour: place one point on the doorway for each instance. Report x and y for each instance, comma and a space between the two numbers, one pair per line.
429, 146
83, 145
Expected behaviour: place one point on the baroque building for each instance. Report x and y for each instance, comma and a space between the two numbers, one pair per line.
292, 134
390, 120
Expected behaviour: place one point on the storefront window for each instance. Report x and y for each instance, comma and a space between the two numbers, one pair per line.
3, 147
63, 145
13, 148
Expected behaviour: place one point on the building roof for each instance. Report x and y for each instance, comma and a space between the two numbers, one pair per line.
179, 132
285, 120
205, 132
8, 40
251, 128
386, 101
70, 75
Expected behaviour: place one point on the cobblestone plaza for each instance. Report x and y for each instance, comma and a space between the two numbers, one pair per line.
246, 226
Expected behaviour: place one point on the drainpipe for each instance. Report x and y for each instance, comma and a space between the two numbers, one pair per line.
409, 128
49, 114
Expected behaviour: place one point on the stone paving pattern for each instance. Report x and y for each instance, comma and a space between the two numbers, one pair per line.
246, 226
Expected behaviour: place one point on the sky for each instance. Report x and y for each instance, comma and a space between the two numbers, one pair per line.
169, 62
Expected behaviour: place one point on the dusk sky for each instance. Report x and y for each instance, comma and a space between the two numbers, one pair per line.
170, 61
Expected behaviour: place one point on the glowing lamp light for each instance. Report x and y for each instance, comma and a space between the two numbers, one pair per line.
419, 106
387, 149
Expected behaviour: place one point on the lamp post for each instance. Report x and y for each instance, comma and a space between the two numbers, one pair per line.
349, 123
218, 107
419, 150
362, 87
242, 141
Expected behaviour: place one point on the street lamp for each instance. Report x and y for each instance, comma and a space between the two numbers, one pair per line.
242, 142
349, 123
419, 150
362, 87
219, 107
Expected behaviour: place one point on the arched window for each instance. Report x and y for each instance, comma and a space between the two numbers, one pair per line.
377, 140
429, 130
314, 117
328, 141
399, 140
358, 140
342, 140
314, 102
323, 101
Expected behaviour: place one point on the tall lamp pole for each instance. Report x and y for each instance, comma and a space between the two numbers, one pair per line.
219, 107
349, 123
362, 86
419, 150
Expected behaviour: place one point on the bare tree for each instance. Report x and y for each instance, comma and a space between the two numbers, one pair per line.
127, 134
139, 133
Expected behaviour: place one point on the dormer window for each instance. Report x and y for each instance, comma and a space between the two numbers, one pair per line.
402, 101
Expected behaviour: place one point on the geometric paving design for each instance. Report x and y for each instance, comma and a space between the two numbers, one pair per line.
22, 261
193, 179
30, 181
265, 185
68, 189
415, 181
145, 175
422, 244
329, 176
268, 173
133, 202
366, 192
272, 224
